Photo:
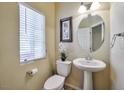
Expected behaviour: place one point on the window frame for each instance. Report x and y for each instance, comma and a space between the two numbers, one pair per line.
33, 60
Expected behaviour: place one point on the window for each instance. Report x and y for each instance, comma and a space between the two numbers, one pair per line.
32, 34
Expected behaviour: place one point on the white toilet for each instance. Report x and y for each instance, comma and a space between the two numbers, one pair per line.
56, 82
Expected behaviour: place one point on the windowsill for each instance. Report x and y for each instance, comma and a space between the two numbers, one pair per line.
33, 61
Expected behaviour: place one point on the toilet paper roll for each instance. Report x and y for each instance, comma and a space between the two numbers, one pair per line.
32, 72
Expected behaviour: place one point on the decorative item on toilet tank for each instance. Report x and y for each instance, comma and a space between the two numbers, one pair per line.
62, 50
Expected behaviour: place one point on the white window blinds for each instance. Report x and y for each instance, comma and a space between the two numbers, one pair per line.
32, 34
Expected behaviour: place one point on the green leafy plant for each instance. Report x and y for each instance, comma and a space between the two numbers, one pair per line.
63, 56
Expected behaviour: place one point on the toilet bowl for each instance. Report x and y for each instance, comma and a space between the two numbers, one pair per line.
56, 82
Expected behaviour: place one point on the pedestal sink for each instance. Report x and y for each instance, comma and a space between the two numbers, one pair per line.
89, 66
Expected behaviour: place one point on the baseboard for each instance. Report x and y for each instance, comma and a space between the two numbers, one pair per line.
72, 86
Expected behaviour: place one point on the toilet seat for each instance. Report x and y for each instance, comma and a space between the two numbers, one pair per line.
55, 82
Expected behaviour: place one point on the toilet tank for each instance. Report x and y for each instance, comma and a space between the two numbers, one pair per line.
63, 68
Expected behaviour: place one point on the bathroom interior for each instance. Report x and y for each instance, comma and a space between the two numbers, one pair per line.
77, 46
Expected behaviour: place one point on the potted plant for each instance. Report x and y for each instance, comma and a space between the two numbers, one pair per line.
63, 56
62, 51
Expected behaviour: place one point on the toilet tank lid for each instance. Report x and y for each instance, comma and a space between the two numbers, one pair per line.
63, 62
54, 82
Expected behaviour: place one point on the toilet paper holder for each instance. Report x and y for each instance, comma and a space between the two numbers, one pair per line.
31, 72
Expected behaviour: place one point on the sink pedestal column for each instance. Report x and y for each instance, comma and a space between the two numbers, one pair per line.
88, 85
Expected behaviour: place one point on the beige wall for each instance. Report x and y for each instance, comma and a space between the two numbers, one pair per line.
100, 79
12, 73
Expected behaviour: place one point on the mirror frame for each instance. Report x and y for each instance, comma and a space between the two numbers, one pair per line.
90, 33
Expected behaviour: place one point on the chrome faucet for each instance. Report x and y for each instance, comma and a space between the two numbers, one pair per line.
89, 57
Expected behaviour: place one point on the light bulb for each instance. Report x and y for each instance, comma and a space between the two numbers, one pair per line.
95, 5
82, 9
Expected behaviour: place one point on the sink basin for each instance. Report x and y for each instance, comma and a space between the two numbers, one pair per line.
89, 65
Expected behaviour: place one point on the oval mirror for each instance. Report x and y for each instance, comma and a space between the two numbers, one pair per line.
91, 33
